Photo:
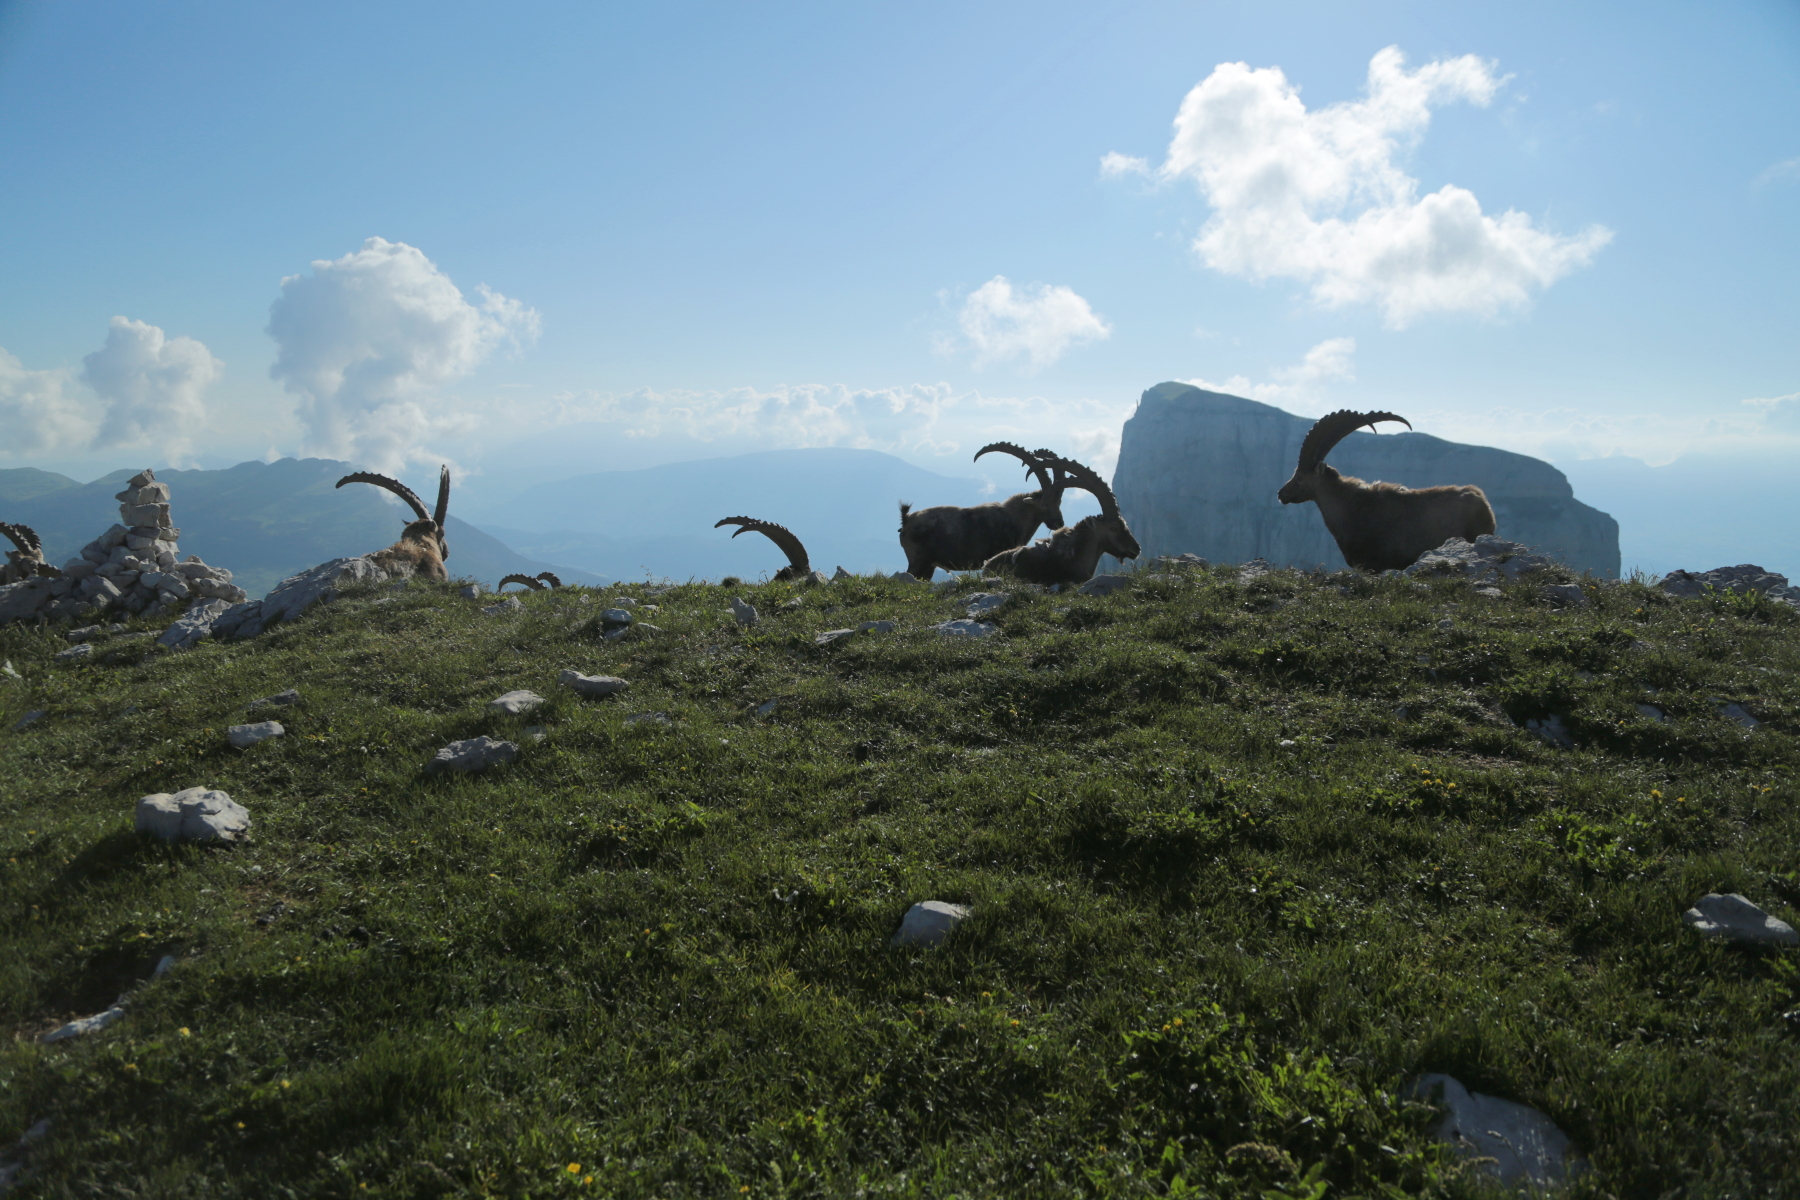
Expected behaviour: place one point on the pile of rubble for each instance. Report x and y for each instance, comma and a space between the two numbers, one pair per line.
1487, 559
132, 568
1745, 577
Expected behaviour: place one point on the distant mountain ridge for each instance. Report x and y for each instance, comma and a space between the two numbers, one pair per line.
263, 521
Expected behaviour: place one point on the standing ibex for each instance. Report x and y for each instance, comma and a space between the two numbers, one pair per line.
27, 562
1070, 555
421, 549
1380, 526
961, 539
798, 568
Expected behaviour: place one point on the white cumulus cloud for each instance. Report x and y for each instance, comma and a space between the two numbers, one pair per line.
39, 411
151, 385
1037, 323
365, 339
1318, 197
1298, 385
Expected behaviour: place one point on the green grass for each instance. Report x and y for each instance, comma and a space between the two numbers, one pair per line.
1227, 900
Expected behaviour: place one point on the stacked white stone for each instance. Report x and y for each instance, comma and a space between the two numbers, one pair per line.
134, 565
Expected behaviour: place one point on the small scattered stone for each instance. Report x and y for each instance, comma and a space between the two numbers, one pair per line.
1569, 595
840, 573
745, 613
929, 922
284, 699
1740, 714
1105, 585
195, 625
1256, 568
1745, 577
83, 1025
965, 628
649, 718
1492, 593
1736, 919
7, 670
1652, 712
1519, 1144
472, 754
904, 577
1553, 731
509, 605
624, 602
535, 733
766, 708
515, 704
471, 592
833, 635
85, 633
246, 736
877, 627
29, 719
615, 616
75, 654
196, 814
982, 603
592, 685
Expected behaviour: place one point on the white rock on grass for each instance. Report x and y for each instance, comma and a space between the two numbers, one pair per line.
8, 670
833, 635
511, 604
929, 922
1569, 595
1104, 585
965, 628
840, 573
1521, 1144
470, 591
616, 616
515, 704
246, 736
745, 613
196, 814
982, 603
283, 699
766, 708
195, 624
75, 654
1738, 713
649, 718
83, 1025
1734, 918
592, 685
472, 754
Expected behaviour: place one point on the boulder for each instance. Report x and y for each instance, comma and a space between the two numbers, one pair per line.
1511, 1141
195, 624
1745, 577
615, 616
22, 601
1103, 585
511, 604
1733, 918
239, 621
195, 815
1198, 471
472, 754
1569, 595
981, 603
929, 922
1486, 559
316, 585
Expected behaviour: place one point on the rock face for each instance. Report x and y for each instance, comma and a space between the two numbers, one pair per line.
1198, 471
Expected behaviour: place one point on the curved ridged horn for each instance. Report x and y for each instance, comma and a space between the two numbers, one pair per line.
527, 580
550, 579
395, 486
1333, 428
1083, 478
24, 537
779, 534
443, 504
1033, 462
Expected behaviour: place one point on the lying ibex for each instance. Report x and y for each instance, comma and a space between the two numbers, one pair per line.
27, 562
1069, 555
798, 568
421, 549
1381, 526
961, 539
535, 584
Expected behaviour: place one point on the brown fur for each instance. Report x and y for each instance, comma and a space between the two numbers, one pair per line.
27, 562
1069, 555
421, 549
1381, 526
959, 538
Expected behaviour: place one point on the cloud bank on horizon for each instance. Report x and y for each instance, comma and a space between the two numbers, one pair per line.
365, 340
1317, 197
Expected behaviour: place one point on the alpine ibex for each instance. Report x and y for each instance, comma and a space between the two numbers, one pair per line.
421, 549
27, 562
961, 539
1069, 555
799, 566
535, 584
1380, 526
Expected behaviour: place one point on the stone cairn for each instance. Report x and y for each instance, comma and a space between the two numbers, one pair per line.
132, 568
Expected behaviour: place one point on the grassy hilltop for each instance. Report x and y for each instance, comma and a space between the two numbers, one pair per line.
1243, 859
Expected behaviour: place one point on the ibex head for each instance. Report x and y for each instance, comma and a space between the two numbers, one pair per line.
1115, 536
430, 526
1326, 432
1050, 490
799, 566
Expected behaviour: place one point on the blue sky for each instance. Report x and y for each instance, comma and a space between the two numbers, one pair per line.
641, 233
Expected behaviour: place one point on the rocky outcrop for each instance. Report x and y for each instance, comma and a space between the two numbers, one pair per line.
134, 568
1198, 471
